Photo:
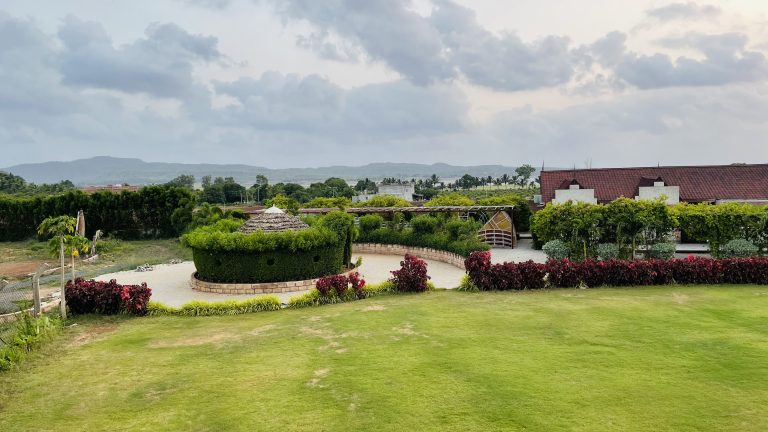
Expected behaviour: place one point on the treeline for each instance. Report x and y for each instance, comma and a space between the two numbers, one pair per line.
152, 212
225, 190
15, 185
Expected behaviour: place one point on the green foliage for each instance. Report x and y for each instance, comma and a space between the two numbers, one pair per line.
452, 235
222, 254
15, 185
606, 251
451, 199
583, 226
423, 225
467, 285
556, 249
739, 248
717, 224
227, 307
521, 214
663, 250
340, 203
385, 201
314, 298
290, 205
27, 334
186, 181
153, 212
371, 222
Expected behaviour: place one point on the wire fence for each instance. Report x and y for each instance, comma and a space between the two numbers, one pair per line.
14, 296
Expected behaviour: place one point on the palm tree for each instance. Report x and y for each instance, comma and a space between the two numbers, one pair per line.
59, 227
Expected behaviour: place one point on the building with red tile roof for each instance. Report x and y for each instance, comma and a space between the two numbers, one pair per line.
713, 184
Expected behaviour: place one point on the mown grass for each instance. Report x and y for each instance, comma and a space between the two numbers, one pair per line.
661, 359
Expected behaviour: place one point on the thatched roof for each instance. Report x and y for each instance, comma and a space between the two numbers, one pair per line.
272, 222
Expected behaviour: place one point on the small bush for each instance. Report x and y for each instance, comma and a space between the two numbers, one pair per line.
556, 249
106, 298
467, 285
341, 285
412, 275
229, 307
663, 250
606, 251
27, 334
315, 298
370, 223
739, 248
424, 225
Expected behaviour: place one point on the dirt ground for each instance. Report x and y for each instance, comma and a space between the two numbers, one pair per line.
21, 269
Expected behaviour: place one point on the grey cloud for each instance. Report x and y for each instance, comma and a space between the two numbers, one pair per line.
312, 104
682, 11
160, 64
321, 43
727, 60
437, 47
209, 4
387, 30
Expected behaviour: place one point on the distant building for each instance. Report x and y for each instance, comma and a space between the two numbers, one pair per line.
117, 188
404, 191
694, 184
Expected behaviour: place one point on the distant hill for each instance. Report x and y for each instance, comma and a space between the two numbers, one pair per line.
108, 170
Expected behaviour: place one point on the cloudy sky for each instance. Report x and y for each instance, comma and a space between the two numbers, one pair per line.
296, 83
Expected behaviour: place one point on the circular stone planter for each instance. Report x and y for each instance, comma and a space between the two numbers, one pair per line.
254, 288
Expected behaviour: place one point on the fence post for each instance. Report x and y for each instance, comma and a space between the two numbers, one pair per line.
36, 290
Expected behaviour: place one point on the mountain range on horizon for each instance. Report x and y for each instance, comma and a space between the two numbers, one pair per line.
102, 170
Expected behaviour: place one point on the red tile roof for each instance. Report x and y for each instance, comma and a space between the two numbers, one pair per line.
697, 183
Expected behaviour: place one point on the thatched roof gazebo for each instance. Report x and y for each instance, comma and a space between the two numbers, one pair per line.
272, 220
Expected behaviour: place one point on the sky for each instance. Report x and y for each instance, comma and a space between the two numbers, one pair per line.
303, 83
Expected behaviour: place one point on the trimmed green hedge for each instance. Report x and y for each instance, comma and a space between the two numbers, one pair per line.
448, 234
222, 254
152, 212
227, 307
267, 266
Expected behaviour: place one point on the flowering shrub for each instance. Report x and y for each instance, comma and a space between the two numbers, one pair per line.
339, 285
106, 298
412, 276
567, 274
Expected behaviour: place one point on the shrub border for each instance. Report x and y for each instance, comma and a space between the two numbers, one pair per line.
254, 288
446, 257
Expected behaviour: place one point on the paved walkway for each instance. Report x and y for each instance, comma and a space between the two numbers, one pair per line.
523, 252
170, 282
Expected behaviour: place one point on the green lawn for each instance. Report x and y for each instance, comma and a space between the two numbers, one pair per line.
660, 359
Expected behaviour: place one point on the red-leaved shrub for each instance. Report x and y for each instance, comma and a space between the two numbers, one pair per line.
412, 275
106, 298
339, 284
614, 272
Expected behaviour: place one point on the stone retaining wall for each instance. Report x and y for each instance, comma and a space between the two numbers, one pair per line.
253, 288
423, 253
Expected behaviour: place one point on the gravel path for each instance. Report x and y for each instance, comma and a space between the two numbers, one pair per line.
170, 282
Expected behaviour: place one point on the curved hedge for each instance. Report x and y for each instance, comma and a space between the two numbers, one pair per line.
221, 254
267, 266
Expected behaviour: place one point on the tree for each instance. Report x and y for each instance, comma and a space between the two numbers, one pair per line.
261, 187
283, 202
524, 173
185, 181
59, 227
206, 181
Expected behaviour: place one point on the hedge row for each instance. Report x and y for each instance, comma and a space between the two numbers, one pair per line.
228, 307
106, 298
153, 212
591, 273
627, 222
448, 234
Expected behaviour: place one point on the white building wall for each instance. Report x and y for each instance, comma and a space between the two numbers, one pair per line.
575, 195
405, 192
670, 193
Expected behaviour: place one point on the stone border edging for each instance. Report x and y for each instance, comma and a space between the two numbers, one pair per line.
254, 288
421, 252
